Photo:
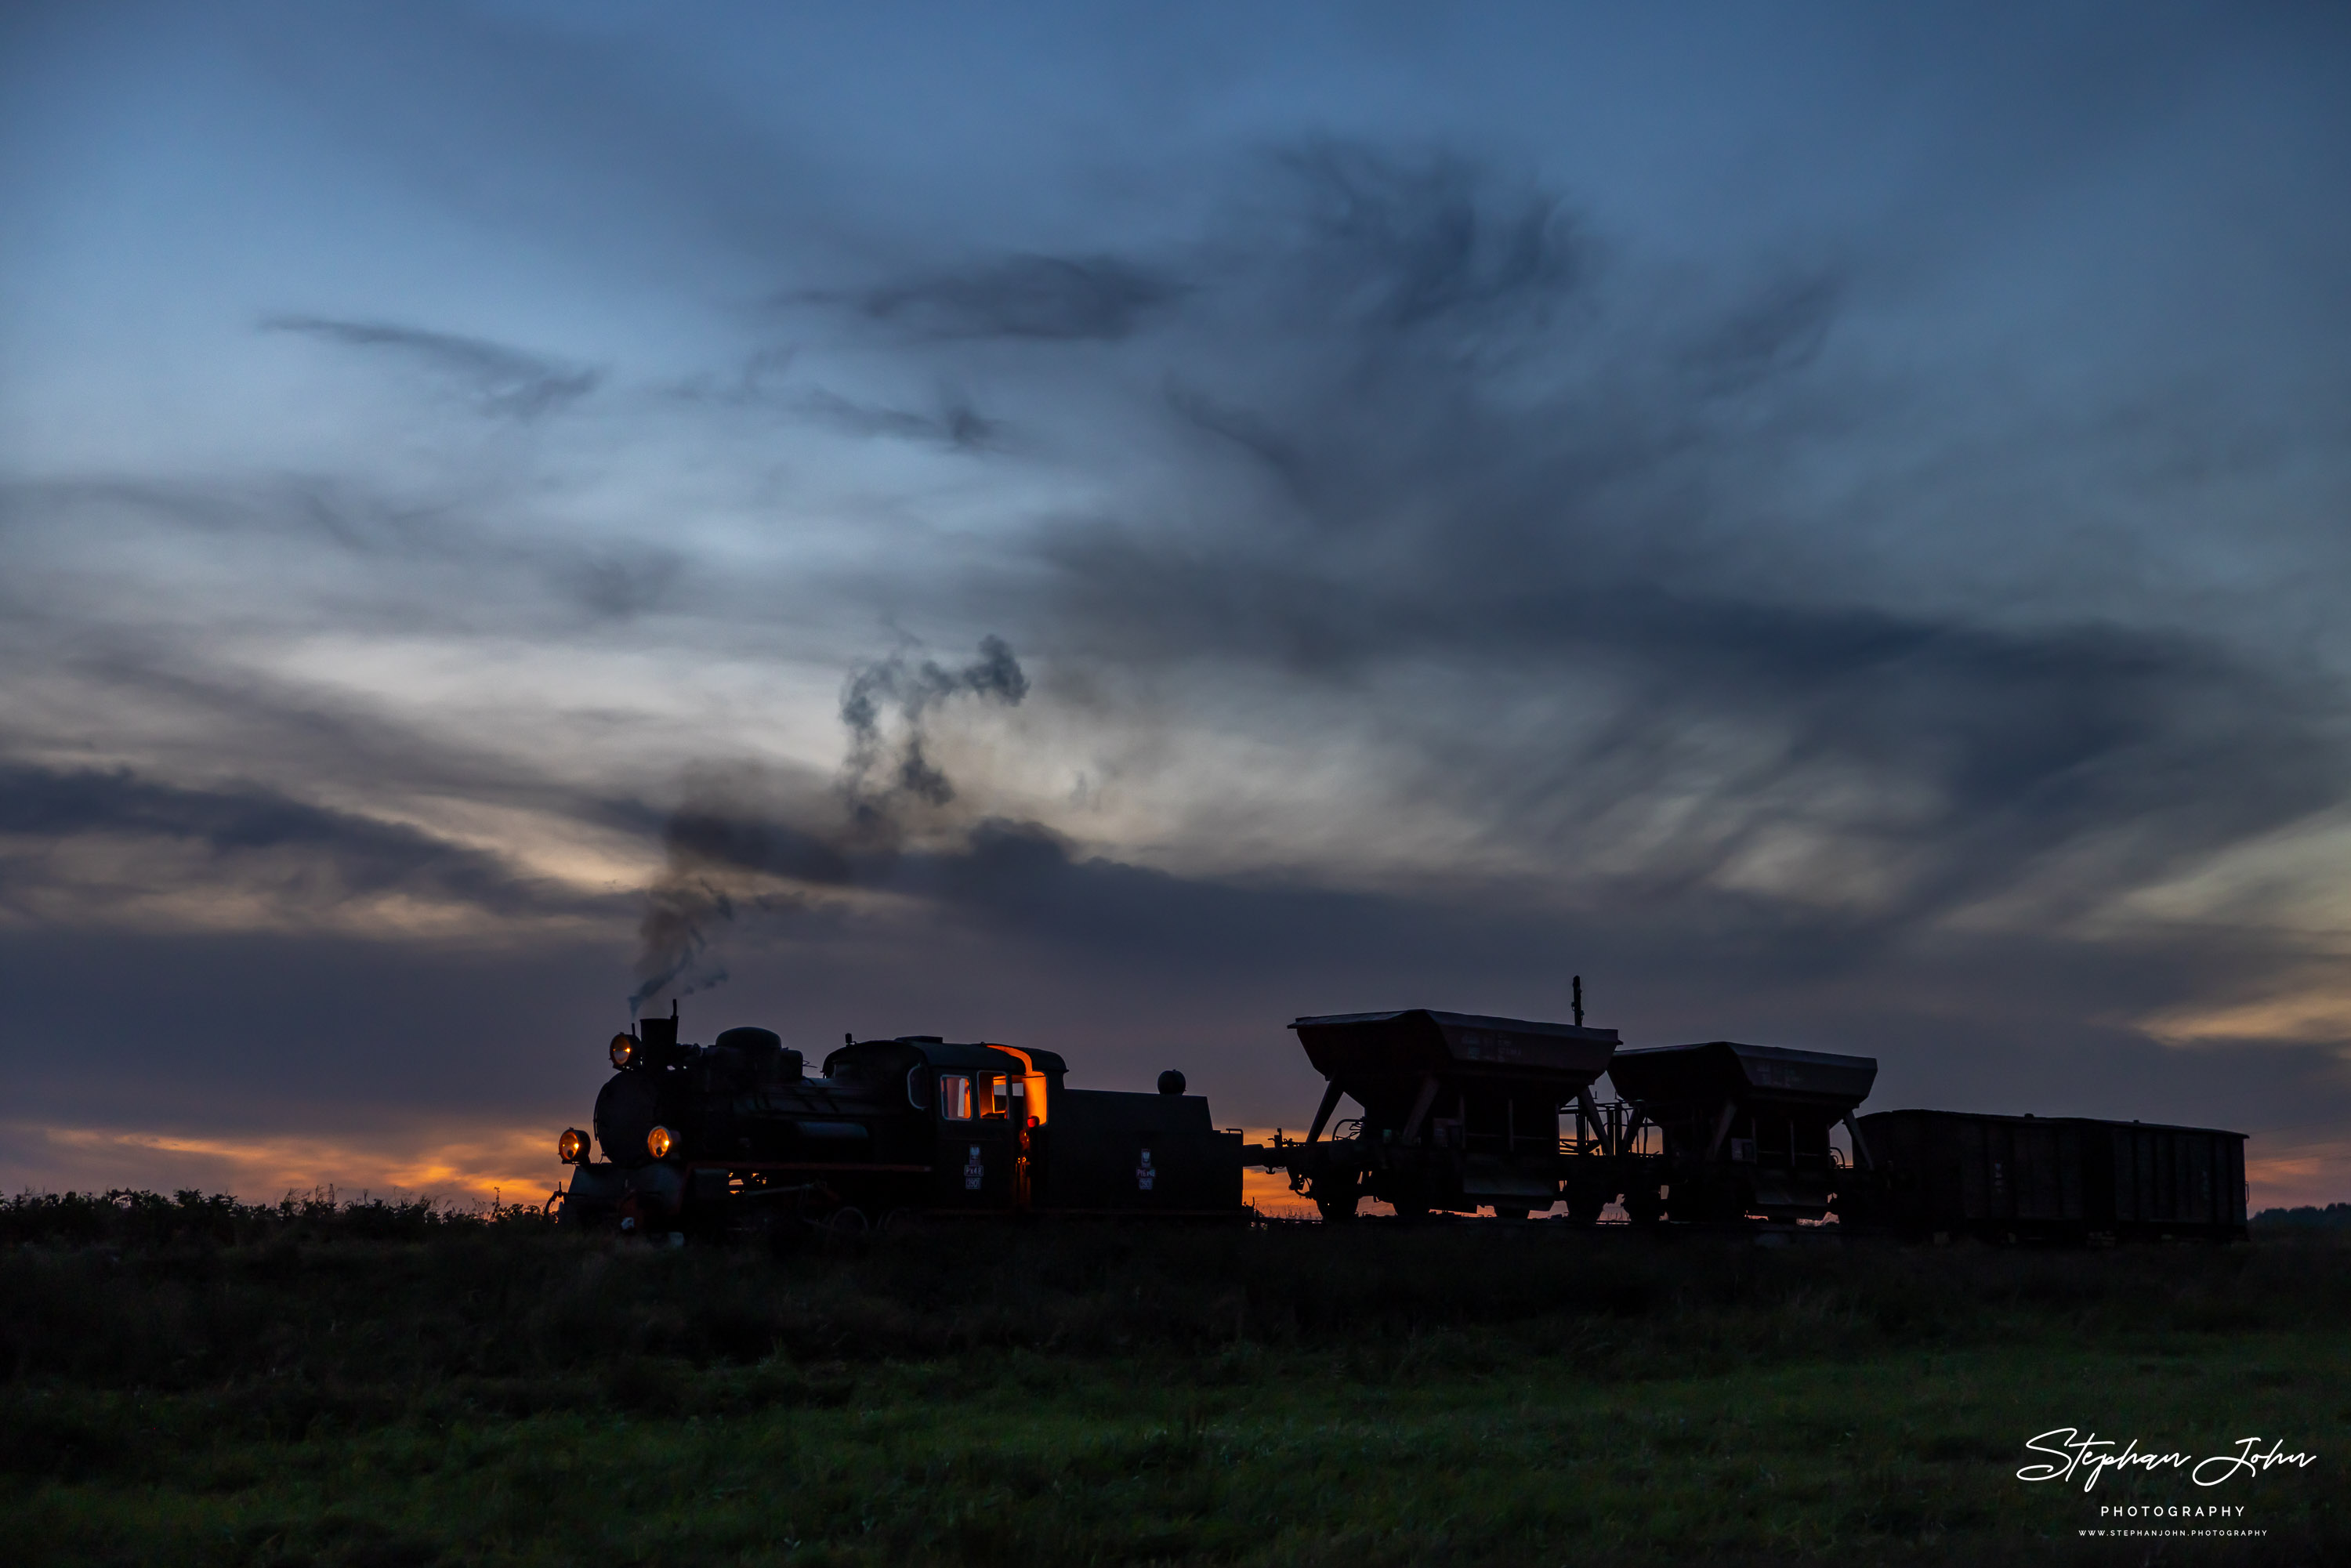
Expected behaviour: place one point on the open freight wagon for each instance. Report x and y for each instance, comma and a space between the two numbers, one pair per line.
2054, 1178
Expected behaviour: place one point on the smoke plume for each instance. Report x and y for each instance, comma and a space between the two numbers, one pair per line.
738, 835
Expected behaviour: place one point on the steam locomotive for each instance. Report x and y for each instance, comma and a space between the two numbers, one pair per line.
737, 1136
1461, 1113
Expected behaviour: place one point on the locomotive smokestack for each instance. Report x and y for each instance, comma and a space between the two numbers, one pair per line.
1578, 1001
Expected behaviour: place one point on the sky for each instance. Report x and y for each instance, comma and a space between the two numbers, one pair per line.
1109, 528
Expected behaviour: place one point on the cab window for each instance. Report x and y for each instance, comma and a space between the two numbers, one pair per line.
1000, 1095
954, 1097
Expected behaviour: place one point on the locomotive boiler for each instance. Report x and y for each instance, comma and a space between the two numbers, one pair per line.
737, 1136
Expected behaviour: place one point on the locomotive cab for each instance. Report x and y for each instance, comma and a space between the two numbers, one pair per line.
975, 1110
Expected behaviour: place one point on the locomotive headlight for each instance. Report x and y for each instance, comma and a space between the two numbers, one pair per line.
624, 1049
658, 1142
572, 1147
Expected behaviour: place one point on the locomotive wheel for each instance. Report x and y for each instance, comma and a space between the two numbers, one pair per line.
895, 1220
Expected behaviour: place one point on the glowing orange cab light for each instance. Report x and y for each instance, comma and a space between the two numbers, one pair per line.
1033, 1081
658, 1142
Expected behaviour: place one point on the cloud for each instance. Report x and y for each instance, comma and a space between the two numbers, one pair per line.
508, 381
1048, 298
956, 424
622, 583
310, 859
1504, 463
1403, 241
1428, 452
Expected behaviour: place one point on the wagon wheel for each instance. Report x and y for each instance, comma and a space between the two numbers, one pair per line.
845, 1229
1335, 1201
784, 1235
1583, 1208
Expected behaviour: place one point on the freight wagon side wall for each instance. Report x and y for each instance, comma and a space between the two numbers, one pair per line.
2026, 1170
2060, 1176
1107, 1151
2174, 1176
1954, 1171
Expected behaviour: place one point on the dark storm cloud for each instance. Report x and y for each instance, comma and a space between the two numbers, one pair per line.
320, 856
1496, 457
501, 379
1053, 298
2005, 744
1499, 452
1401, 240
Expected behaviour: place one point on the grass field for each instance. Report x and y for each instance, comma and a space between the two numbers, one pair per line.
370, 1384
